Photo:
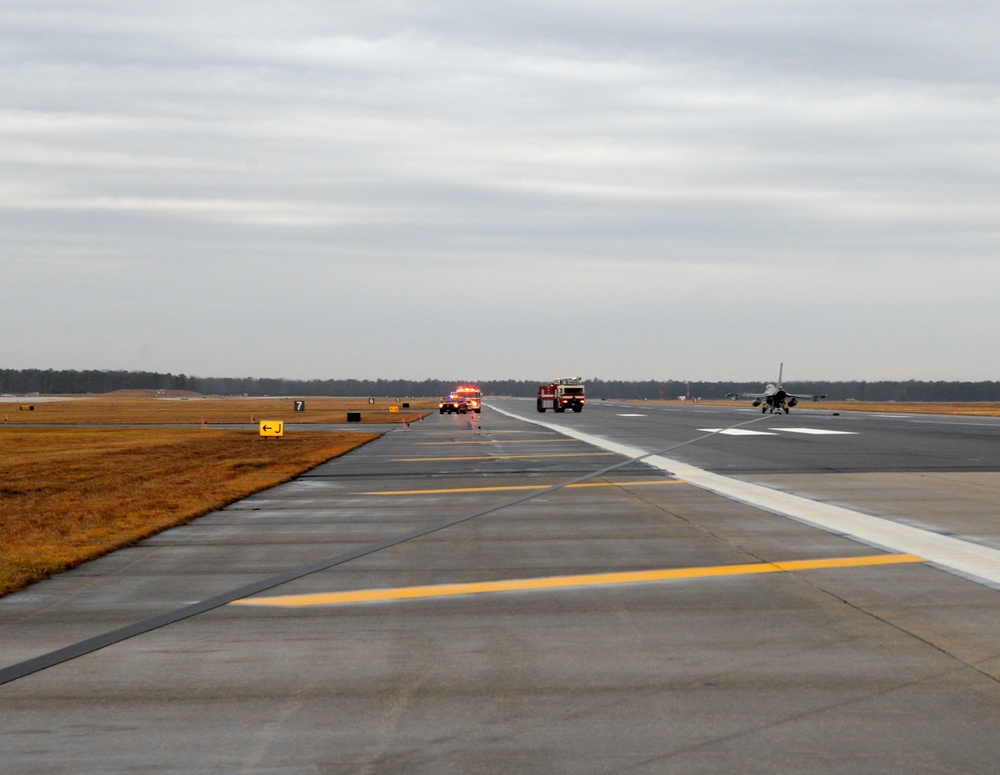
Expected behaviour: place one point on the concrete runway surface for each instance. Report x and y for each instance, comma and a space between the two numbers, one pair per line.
449, 611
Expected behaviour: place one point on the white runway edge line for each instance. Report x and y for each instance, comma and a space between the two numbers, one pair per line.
973, 561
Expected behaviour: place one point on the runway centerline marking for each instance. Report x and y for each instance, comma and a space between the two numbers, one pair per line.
776, 431
567, 582
816, 431
736, 432
499, 488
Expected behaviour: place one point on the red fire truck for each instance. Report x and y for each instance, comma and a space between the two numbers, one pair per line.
561, 395
472, 396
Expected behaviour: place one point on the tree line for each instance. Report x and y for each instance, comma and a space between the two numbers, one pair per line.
50, 381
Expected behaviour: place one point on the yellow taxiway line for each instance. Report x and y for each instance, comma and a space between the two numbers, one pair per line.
499, 488
494, 441
562, 582
502, 457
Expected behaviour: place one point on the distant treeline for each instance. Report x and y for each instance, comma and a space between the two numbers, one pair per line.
50, 381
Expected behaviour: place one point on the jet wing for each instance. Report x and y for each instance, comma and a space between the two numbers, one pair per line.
746, 395
803, 397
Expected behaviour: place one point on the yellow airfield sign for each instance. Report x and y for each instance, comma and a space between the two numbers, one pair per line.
393, 408
272, 428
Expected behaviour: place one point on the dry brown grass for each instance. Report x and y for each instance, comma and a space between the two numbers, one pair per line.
71, 494
136, 408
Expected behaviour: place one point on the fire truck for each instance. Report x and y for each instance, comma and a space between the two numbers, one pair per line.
561, 395
472, 396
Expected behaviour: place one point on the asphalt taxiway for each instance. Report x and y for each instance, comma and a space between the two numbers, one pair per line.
467, 596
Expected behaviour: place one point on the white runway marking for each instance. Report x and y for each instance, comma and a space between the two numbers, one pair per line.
631, 415
736, 432
816, 431
744, 432
973, 561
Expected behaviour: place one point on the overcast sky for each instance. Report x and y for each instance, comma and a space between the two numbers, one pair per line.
487, 190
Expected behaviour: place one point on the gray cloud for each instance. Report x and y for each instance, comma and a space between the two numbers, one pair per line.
637, 190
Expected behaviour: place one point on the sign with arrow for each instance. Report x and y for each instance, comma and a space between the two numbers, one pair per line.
272, 428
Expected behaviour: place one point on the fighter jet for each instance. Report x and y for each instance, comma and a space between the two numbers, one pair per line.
774, 397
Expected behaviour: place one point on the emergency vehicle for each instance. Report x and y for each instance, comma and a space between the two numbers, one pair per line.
452, 404
561, 395
473, 397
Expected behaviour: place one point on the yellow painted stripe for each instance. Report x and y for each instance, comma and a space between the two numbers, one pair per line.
562, 582
538, 432
500, 488
494, 441
502, 457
